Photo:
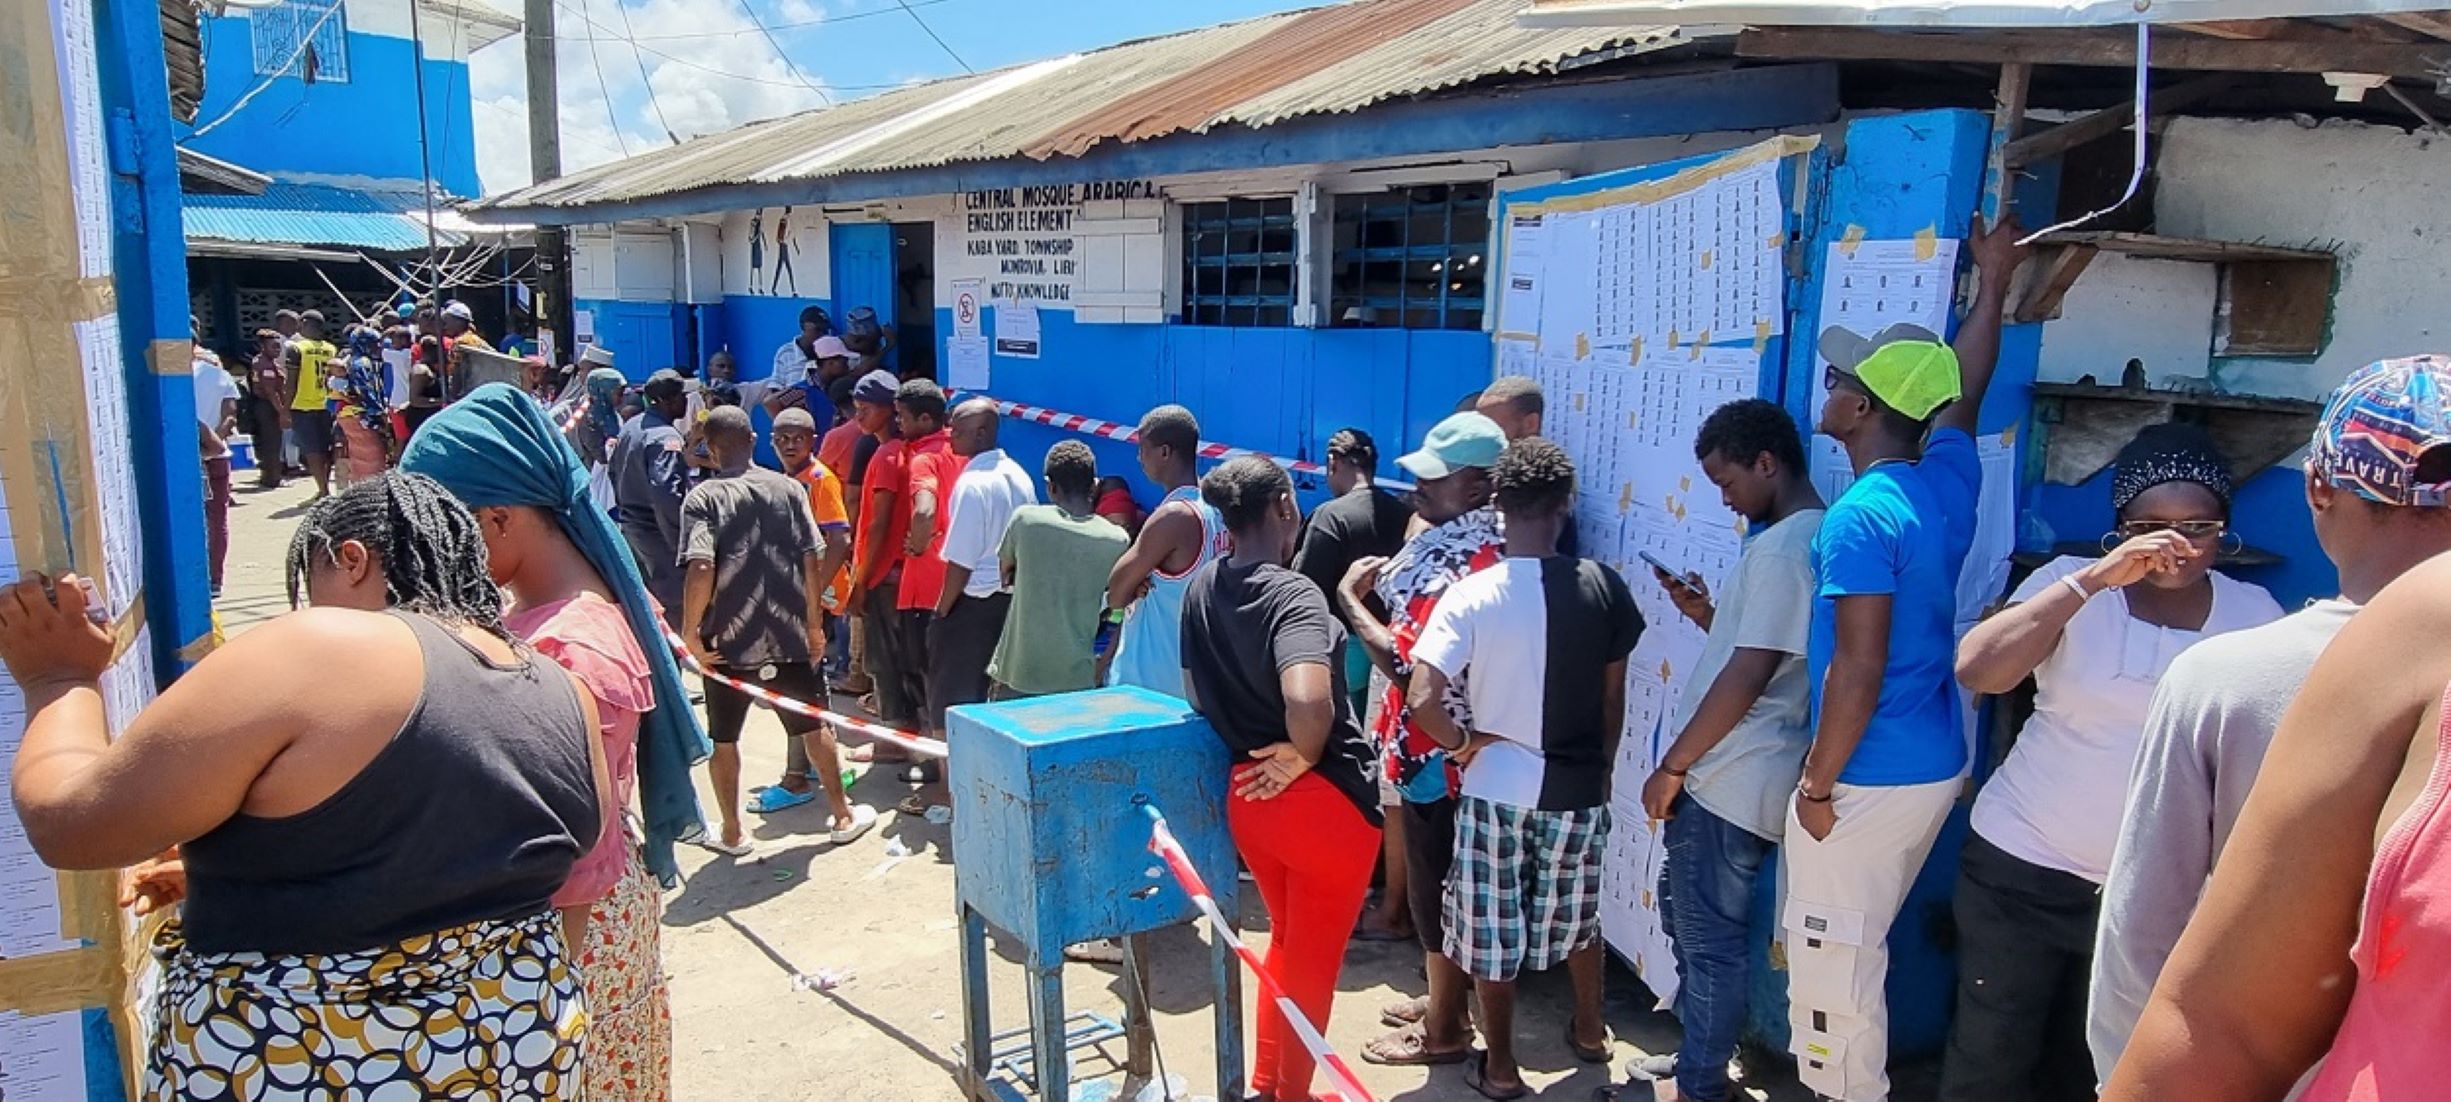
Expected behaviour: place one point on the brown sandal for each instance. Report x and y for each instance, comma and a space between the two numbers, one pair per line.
1411, 1011
1409, 1048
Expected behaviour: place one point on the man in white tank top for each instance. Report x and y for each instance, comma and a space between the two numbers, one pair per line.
1183, 534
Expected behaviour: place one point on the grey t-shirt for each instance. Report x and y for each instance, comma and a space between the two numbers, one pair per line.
755, 526
1767, 605
2212, 719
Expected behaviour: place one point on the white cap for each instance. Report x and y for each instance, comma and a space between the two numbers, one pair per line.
597, 355
828, 347
457, 309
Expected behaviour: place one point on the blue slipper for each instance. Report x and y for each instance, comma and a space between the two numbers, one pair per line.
776, 798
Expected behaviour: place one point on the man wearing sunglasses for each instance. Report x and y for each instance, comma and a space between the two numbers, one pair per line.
1888, 747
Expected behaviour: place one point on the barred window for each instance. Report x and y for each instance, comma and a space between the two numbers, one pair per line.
1238, 262
322, 26
1411, 258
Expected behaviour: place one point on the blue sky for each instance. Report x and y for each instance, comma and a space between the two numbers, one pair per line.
712, 69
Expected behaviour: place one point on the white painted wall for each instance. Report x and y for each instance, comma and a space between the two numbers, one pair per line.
2157, 312
2376, 194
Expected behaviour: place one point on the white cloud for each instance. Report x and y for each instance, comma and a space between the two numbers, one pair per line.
686, 48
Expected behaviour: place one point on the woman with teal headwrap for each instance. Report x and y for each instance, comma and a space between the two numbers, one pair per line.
577, 597
496, 447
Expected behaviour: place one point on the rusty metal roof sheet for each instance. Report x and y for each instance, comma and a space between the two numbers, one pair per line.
1255, 72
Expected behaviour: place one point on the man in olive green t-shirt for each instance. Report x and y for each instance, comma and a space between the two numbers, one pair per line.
1055, 559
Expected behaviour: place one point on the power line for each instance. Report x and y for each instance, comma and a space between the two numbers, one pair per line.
846, 17
709, 69
305, 41
609, 117
940, 42
523, 118
780, 52
652, 98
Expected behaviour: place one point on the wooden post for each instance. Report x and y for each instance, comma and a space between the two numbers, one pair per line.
1999, 186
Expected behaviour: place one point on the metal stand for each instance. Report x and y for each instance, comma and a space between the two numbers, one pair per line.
996, 1067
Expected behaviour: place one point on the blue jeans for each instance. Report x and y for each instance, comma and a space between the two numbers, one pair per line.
1706, 896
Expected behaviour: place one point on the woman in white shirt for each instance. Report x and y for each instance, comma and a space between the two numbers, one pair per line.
2096, 635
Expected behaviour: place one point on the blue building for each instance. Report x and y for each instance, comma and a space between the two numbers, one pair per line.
304, 152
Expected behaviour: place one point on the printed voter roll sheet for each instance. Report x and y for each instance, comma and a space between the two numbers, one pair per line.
966, 363
1567, 297
42, 1057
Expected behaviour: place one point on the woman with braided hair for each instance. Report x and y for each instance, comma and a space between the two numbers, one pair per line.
368, 876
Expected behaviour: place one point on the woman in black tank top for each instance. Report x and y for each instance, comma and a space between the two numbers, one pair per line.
374, 800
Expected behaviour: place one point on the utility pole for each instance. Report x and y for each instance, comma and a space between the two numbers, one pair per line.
545, 159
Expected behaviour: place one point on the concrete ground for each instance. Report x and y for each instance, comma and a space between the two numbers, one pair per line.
743, 938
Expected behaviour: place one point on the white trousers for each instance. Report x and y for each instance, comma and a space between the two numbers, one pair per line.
1842, 894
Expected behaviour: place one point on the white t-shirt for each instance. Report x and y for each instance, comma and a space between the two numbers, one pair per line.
213, 385
1531, 640
2057, 800
396, 364
990, 490
791, 366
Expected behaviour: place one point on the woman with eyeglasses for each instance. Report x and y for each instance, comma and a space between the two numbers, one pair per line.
2096, 635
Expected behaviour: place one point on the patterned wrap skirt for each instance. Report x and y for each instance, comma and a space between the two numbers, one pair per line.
629, 1030
487, 1010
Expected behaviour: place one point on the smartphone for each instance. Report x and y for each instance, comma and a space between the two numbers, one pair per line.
1670, 571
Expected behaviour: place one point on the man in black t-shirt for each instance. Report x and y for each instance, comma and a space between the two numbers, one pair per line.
1362, 521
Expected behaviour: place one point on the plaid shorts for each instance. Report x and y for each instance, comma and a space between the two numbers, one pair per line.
1526, 887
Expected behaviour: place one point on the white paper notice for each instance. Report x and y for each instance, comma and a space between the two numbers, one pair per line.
1865, 289
1526, 259
967, 306
966, 363
42, 1057
1017, 330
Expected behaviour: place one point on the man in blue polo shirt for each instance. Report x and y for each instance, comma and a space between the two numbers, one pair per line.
1889, 747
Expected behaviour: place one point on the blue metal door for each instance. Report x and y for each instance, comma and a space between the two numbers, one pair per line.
863, 255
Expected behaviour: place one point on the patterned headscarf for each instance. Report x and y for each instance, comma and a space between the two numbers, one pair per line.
368, 386
2169, 453
604, 386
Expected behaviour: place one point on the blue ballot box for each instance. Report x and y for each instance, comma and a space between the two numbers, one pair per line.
1052, 848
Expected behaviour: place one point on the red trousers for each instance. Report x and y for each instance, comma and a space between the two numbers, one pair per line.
1310, 851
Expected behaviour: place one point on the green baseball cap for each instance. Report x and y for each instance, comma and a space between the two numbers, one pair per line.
1908, 367
1462, 440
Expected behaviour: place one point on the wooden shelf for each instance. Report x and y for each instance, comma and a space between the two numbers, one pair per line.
2084, 425
2273, 300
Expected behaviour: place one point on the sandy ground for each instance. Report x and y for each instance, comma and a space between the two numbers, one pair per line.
739, 932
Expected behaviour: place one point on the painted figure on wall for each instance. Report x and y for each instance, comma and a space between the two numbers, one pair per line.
782, 255
757, 245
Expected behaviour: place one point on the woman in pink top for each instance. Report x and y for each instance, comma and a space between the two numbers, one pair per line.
2325, 933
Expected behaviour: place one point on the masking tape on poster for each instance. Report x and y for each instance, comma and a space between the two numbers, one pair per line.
47, 464
1668, 187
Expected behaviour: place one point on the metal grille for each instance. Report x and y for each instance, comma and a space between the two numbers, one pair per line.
1238, 262
1411, 258
275, 32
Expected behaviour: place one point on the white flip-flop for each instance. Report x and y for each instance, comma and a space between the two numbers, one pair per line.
710, 839
863, 818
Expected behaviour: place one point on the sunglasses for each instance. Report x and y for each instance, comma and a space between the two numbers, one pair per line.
1832, 378
2192, 529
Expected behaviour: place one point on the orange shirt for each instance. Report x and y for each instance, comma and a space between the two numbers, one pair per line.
835, 449
825, 500
933, 468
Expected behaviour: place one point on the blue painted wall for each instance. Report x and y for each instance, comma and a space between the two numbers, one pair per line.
323, 129
2270, 513
1279, 390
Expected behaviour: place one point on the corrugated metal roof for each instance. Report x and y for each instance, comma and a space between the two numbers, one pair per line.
312, 214
1255, 72
1947, 13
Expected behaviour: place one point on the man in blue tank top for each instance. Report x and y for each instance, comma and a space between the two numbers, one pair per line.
1183, 534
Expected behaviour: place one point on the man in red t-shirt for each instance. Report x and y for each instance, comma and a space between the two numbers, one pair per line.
879, 526
930, 470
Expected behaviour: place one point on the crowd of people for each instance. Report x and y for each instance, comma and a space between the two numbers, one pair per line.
1426, 691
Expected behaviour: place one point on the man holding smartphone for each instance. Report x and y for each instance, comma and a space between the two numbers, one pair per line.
1723, 785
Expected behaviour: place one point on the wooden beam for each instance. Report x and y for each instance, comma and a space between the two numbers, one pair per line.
2097, 48
2433, 23
2040, 289
2111, 120
1999, 179
2249, 30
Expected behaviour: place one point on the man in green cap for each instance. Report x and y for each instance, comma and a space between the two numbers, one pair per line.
1889, 746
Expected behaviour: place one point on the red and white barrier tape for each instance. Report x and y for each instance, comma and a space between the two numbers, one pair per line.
1339, 1074
1091, 426
917, 744
578, 413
